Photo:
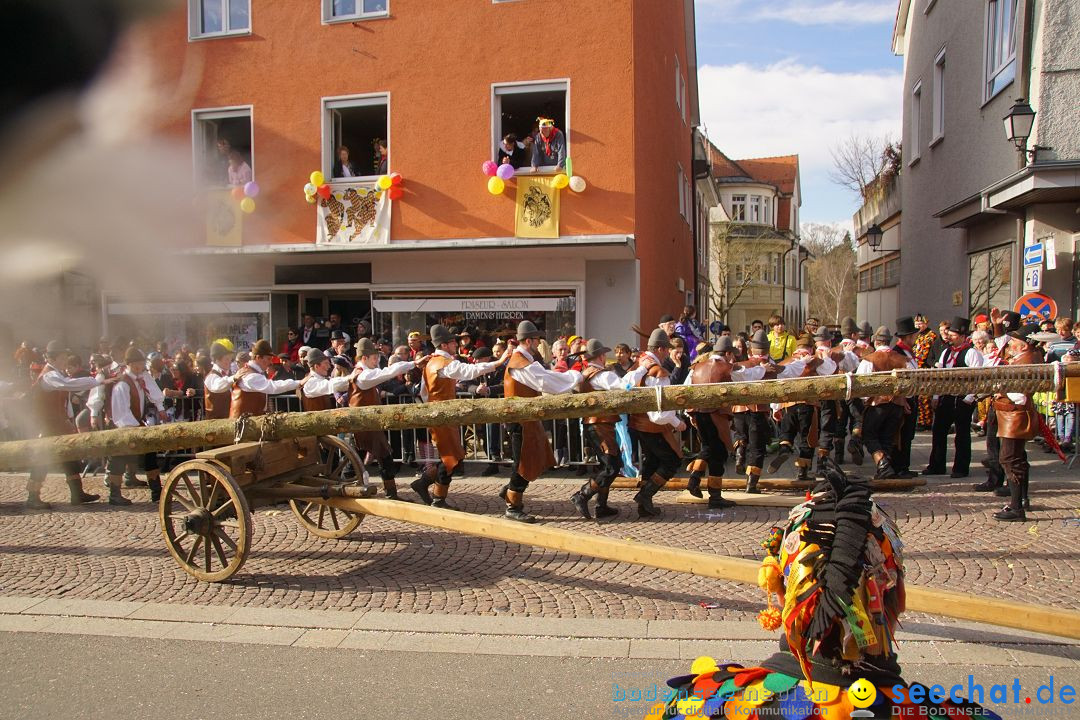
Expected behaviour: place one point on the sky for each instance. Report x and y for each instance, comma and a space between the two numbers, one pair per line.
781, 77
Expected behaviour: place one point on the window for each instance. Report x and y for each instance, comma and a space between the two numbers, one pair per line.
916, 118
755, 209
990, 280
738, 208
682, 189
210, 18
766, 210
356, 127
892, 272
1000, 45
335, 10
515, 109
678, 86
222, 146
689, 192
864, 280
877, 277
938, 122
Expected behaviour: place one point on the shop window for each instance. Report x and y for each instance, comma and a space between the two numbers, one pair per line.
990, 279
516, 111
357, 130
222, 145
335, 10
209, 18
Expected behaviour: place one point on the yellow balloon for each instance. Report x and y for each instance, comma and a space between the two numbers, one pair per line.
247, 205
317, 178
496, 185
560, 181
385, 182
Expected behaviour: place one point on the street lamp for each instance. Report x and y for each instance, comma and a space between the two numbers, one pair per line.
873, 236
1018, 124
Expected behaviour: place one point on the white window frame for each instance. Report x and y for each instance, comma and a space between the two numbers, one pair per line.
329, 151
754, 209
195, 22
742, 204
766, 210
937, 122
329, 18
198, 149
678, 85
521, 87
993, 26
682, 189
914, 134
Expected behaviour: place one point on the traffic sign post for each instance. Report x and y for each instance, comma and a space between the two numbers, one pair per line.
1033, 254
1032, 279
1036, 304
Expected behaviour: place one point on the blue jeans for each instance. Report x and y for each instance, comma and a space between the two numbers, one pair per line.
1065, 422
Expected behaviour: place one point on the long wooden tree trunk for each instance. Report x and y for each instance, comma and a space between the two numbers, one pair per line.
211, 433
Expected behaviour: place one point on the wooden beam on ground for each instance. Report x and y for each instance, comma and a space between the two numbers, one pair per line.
744, 499
775, 484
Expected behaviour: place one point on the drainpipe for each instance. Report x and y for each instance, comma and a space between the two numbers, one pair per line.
783, 279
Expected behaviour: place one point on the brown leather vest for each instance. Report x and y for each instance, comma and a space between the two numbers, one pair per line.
641, 422
139, 413
244, 402
216, 405
590, 372
364, 398
439, 388
314, 404
886, 361
511, 387
51, 407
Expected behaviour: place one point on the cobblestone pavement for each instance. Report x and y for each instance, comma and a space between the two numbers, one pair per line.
106, 553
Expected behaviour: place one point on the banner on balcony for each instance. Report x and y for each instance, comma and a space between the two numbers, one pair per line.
354, 216
537, 211
224, 220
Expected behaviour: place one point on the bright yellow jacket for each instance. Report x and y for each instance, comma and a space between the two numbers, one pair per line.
781, 347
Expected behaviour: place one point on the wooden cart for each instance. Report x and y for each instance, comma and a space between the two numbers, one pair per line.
206, 503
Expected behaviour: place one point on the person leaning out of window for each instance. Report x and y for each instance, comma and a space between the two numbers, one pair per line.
512, 152
549, 148
343, 167
781, 342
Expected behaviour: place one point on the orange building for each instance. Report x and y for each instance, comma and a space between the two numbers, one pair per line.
287, 84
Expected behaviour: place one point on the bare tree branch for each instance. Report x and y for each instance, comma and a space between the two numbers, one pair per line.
737, 254
859, 161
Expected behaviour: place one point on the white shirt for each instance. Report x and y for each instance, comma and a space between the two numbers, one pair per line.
973, 358
220, 383
738, 374
121, 399
321, 386
258, 382
367, 379
53, 379
607, 379
542, 380
866, 368
453, 370
662, 417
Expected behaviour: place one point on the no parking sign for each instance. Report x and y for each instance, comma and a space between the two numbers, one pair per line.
1036, 304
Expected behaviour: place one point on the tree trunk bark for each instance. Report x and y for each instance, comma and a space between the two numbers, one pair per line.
213, 433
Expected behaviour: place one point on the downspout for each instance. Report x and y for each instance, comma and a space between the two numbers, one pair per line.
783, 279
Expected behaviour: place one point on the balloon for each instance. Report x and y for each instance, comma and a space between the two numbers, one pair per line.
237, 193
489, 168
395, 193
317, 178
396, 178
560, 181
496, 185
577, 183
251, 189
505, 171
385, 182
310, 199
310, 189
247, 205
324, 192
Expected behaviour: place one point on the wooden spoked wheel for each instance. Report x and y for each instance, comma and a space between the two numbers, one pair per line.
340, 465
205, 520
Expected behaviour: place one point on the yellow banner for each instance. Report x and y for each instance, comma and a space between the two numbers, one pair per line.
224, 220
537, 211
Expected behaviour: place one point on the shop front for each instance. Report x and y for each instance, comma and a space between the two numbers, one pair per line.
243, 318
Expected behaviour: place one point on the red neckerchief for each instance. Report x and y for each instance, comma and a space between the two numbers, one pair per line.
954, 353
547, 140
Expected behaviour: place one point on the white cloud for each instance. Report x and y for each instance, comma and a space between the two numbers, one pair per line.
790, 108
803, 12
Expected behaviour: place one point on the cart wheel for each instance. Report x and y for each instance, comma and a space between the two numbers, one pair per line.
205, 520
340, 465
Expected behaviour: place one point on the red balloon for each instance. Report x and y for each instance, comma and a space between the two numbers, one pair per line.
323, 192
396, 179
395, 192
238, 193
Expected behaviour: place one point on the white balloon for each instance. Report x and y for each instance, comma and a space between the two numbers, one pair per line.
577, 183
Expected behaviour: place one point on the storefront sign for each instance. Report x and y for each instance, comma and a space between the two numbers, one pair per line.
495, 315
475, 305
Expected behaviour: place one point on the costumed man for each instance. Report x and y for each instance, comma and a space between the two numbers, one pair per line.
438, 383
1003, 324
851, 410
136, 401
532, 454
901, 459
661, 450
218, 381
251, 387
1017, 422
836, 571
884, 415
831, 415
920, 346
954, 410
363, 389
51, 394
799, 428
717, 365
600, 431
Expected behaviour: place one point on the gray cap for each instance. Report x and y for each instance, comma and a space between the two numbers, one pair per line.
364, 346
760, 339
724, 345
526, 330
595, 348
439, 335
659, 339
315, 356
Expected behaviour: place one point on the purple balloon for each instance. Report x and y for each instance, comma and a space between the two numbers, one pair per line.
489, 168
505, 171
251, 189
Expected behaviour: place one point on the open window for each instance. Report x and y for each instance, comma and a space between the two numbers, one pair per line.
348, 10
222, 145
357, 139
516, 109
211, 18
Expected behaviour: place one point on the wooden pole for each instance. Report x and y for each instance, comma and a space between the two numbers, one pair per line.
962, 606
213, 433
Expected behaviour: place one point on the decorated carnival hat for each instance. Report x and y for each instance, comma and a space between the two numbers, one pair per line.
218, 351
905, 326
594, 349
760, 340
1010, 321
659, 339
440, 335
526, 329
226, 343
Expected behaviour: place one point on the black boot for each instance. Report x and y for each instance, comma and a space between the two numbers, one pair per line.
420, 486
751, 484
78, 496
115, 496
1015, 510
740, 459
603, 510
644, 499
884, 470
819, 466
804, 474
855, 447
580, 499
155, 489
717, 501
993, 481
838, 451
693, 485
781, 457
